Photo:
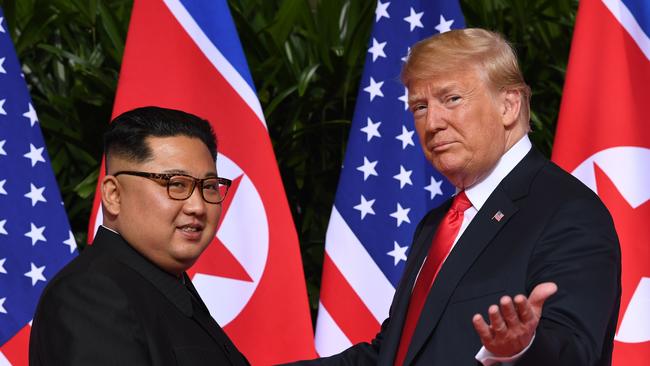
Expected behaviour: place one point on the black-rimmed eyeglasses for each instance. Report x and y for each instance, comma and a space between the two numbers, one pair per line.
181, 186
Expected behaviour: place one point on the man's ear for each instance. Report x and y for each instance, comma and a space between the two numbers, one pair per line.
511, 106
111, 195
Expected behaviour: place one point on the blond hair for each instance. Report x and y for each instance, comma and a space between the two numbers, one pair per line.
452, 51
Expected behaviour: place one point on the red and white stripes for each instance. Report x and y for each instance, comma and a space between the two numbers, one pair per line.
355, 294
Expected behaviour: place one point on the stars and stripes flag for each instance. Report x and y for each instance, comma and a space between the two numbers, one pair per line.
603, 138
386, 184
186, 55
35, 236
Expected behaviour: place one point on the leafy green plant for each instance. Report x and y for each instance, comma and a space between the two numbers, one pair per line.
71, 52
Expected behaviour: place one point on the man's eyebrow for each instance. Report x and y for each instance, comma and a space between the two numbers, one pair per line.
446, 88
210, 174
175, 171
442, 90
415, 98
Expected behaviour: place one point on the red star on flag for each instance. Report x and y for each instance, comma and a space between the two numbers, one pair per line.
217, 259
628, 221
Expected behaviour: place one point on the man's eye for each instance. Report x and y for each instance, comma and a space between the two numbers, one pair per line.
211, 186
453, 99
418, 107
178, 183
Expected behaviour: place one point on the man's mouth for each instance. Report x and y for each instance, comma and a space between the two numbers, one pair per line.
191, 228
436, 146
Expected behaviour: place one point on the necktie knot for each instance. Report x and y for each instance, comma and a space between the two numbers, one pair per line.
460, 202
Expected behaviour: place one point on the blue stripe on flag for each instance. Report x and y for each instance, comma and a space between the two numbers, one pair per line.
640, 9
222, 34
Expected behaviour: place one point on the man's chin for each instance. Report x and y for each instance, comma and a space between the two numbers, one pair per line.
183, 264
452, 173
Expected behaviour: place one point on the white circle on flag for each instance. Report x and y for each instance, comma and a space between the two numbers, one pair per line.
625, 167
622, 164
245, 232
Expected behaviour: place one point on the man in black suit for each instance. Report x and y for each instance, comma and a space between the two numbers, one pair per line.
126, 300
519, 225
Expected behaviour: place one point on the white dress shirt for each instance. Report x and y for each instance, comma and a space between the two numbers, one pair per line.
477, 195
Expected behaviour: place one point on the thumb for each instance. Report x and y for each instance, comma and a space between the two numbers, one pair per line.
540, 294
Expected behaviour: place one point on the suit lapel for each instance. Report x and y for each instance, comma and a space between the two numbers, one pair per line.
202, 316
493, 216
171, 287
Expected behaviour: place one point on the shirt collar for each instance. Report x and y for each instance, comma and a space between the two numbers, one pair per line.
108, 228
480, 192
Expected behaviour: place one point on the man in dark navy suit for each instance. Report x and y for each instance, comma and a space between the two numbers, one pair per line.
518, 225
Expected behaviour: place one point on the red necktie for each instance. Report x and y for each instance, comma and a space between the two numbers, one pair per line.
440, 248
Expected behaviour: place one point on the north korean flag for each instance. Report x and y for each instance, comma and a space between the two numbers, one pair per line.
603, 138
186, 55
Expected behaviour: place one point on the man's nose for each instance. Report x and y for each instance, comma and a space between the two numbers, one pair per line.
195, 202
435, 119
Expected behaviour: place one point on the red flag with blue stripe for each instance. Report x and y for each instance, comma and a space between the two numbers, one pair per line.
603, 138
186, 55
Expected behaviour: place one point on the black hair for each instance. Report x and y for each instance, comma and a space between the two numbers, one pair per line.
127, 133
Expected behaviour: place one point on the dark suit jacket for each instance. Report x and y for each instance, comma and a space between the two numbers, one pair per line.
111, 306
554, 229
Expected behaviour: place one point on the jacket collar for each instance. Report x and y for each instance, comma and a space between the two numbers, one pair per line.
169, 285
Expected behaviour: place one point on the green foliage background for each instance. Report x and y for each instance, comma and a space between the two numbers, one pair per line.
306, 57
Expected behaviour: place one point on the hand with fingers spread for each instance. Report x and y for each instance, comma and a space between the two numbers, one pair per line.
513, 323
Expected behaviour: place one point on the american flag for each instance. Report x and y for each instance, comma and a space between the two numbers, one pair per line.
386, 185
35, 236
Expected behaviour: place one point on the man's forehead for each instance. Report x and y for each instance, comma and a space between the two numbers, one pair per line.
162, 145
161, 164
434, 86
206, 174
442, 83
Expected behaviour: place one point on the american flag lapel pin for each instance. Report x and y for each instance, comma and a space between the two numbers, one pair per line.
498, 216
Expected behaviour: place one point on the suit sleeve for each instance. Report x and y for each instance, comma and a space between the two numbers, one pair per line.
359, 354
368, 353
579, 251
86, 320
